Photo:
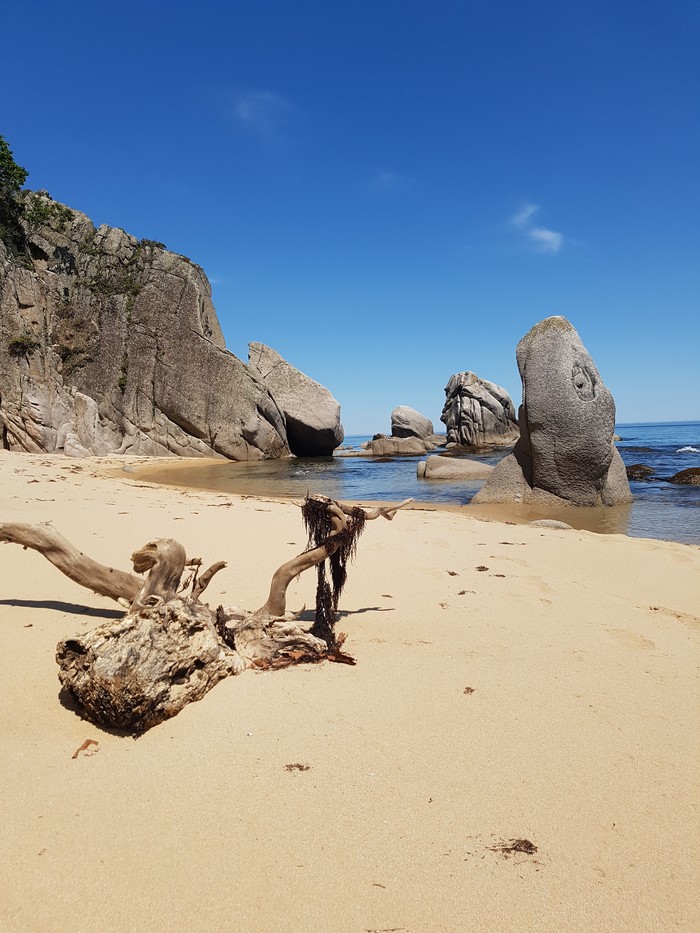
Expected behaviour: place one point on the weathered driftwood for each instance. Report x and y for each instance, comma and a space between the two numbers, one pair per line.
170, 648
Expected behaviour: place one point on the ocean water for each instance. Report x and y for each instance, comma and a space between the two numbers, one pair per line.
660, 509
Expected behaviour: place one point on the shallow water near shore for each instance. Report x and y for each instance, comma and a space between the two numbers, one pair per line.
660, 509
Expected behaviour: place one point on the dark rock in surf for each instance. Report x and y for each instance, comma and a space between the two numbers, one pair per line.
689, 477
639, 471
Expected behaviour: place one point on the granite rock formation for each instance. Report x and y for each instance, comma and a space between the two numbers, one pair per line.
565, 454
454, 468
112, 345
382, 446
311, 414
478, 413
407, 422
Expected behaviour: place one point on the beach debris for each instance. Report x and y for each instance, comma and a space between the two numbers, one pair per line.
296, 766
170, 649
481, 568
452, 573
469, 690
87, 748
515, 845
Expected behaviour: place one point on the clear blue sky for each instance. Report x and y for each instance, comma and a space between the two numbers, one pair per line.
392, 191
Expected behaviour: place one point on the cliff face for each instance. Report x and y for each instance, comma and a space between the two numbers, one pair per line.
111, 345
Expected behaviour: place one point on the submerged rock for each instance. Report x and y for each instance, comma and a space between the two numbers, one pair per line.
393, 446
566, 451
312, 415
439, 467
639, 471
478, 413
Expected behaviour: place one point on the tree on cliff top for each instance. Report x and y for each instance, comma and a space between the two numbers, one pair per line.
12, 177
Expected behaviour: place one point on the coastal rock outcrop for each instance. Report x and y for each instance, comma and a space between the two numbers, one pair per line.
407, 422
109, 344
311, 414
565, 453
478, 413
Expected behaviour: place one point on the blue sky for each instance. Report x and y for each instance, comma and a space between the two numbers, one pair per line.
389, 192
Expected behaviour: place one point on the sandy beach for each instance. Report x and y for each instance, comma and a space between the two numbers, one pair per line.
512, 683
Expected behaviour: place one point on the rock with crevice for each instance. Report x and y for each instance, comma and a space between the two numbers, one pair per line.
311, 414
566, 453
109, 344
478, 413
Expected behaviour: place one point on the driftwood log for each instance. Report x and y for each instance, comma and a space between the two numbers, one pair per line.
170, 648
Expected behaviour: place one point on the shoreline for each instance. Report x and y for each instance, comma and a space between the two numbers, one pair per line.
598, 520
551, 697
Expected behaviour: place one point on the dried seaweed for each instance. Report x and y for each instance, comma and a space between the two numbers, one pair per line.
515, 845
341, 547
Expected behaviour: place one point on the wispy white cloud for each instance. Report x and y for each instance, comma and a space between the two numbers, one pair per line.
541, 238
549, 241
389, 181
263, 112
522, 218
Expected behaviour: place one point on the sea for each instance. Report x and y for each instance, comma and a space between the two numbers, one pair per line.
660, 509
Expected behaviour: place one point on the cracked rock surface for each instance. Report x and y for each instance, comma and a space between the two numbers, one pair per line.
109, 344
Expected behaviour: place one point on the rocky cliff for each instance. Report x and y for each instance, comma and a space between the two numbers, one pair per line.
112, 345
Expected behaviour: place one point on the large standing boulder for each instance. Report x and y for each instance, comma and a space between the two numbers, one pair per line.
566, 453
478, 413
311, 413
407, 422
112, 345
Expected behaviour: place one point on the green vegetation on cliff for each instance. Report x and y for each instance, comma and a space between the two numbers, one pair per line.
23, 212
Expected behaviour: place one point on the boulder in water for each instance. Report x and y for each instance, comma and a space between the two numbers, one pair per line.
439, 467
689, 477
407, 422
478, 413
566, 451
